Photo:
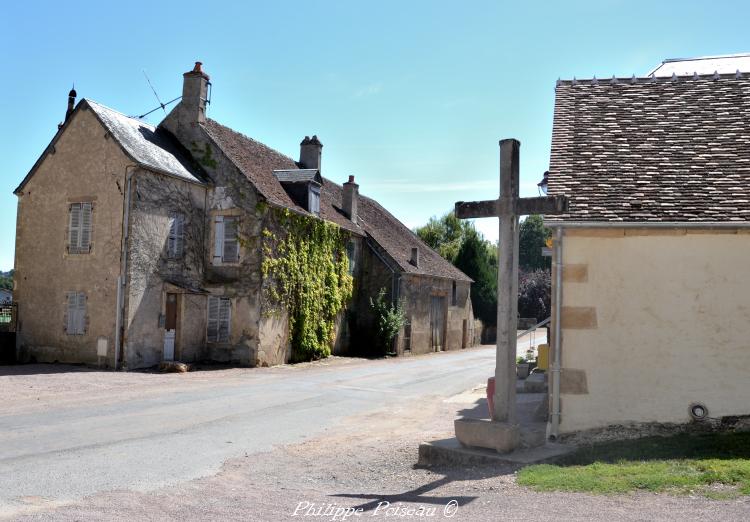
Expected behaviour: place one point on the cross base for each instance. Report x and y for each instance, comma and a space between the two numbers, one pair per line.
482, 433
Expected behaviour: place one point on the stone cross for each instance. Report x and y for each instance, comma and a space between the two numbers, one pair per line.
508, 208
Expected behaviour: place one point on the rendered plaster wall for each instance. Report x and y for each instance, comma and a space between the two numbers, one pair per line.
44, 269
652, 321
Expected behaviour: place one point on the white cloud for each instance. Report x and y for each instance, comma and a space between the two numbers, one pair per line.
369, 90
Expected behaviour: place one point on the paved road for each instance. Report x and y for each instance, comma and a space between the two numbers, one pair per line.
65, 453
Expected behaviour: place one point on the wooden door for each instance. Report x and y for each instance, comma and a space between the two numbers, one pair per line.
170, 327
437, 322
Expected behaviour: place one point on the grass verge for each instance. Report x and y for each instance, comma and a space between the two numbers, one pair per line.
716, 465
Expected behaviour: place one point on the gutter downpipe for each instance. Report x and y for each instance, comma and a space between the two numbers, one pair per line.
122, 278
555, 417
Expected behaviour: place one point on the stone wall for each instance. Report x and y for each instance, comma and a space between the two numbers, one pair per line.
44, 270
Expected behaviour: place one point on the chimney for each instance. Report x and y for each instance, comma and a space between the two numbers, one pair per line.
71, 105
71, 102
195, 94
310, 153
414, 256
350, 199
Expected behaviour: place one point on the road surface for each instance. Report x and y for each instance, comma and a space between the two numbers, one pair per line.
117, 437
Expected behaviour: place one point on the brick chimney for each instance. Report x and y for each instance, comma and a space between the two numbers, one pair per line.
194, 95
310, 153
350, 199
414, 256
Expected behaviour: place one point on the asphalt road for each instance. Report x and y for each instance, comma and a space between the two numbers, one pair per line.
64, 453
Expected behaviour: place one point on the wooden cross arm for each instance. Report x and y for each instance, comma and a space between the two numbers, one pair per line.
520, 207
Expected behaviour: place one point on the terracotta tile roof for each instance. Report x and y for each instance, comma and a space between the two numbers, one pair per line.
258, 163
670, 150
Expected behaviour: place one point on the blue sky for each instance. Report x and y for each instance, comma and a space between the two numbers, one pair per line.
411, 97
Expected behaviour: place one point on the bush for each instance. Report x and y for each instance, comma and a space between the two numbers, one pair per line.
389, 319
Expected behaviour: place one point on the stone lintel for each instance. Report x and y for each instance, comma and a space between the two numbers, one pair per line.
484, 433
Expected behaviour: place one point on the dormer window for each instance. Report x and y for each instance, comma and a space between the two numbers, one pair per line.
313, 199
303, 186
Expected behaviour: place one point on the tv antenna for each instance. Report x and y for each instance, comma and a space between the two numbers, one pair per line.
162, 105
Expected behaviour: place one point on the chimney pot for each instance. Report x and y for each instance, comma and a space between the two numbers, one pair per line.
350, 199
414, 256
310, 153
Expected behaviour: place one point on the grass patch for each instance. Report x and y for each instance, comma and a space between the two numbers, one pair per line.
716, 465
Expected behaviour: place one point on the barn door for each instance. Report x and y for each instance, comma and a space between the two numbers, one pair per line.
437, 322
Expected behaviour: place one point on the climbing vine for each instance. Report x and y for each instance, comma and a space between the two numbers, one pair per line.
307, 272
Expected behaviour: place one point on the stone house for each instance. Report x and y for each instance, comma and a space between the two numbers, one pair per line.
137, 244
650, 308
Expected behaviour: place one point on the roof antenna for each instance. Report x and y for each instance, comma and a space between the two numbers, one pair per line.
154, 91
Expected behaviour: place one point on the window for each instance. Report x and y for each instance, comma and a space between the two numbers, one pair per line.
313, 199
226, 241
75, 313
350, 253
219, 318
176, 241
454, 295
79, 228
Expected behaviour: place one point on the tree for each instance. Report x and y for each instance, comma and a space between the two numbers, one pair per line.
533, 237
477, 258
534, 293
445, 234
6, 280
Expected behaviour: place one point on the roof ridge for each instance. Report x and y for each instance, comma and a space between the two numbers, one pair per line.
107, 107
738, 75
251, 139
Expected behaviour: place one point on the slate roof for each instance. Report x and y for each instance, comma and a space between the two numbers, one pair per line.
150, 147
258, 163
297, 176
653, 149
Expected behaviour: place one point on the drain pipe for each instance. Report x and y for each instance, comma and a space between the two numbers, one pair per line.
555, 418
122, 278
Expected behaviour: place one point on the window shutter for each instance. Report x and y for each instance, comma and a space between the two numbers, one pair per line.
225, 315
179, 239
231, 248
81, 313
175, 241
74, 228
212, 331
85, 227
70, 313
172, 236
218, 238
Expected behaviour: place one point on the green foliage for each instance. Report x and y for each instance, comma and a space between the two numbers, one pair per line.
6, 280
389, 319
477, 259
684, 464
534, 294
307, 272
532, 238
445, 235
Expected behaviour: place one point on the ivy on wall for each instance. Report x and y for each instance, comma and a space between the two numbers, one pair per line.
306, 271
